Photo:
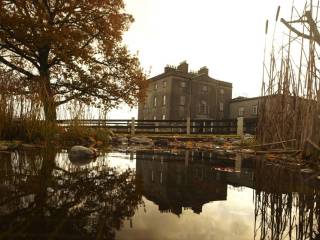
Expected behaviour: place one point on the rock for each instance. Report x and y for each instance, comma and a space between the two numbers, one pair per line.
247, 151
161, 143
119, 140
82, 154
4, 148
141, 140
248, 136
236, 142
28, 146
177, 144
13, 146
307, 170
219, 140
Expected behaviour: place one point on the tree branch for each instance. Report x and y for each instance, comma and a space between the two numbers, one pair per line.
19, 52
295, 30
14, 67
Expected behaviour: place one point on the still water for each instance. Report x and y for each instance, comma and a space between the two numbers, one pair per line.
154, 195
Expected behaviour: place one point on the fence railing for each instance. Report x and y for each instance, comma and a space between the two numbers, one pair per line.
189, 126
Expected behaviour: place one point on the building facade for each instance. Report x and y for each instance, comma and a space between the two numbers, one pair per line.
244, 107
177, 94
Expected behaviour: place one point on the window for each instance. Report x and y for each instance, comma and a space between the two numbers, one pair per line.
181, 111
203, 109
204, 88
155, 102
164, 84
255, 110
164, 100
163, 117
183, 84
221, 91
156, 86
182, 100
221, 107
241, 111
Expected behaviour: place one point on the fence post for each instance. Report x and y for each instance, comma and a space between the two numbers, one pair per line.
156, 128
133, 130
240, 126
188, 125
238, 163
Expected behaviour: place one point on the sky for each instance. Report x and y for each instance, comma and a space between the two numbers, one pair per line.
227, 36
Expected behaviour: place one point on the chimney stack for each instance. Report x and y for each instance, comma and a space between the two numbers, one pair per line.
183, 67
204, 70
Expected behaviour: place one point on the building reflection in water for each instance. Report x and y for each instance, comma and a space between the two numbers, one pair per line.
45, 196
189, 179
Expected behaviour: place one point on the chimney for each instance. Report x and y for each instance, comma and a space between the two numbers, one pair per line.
183, 67
204, 70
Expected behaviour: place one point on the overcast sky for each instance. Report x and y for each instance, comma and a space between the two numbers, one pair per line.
227, 36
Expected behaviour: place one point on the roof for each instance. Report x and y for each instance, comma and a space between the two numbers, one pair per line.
189, 75
242, 99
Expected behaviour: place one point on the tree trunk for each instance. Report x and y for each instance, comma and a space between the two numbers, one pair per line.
47, 98
46, 93
49, 108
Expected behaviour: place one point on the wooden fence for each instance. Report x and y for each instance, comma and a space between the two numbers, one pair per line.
189, 126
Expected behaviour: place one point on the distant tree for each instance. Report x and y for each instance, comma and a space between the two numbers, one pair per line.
65, 50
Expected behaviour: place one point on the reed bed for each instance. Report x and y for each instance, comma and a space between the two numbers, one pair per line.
290, 106
287, 207
22, 117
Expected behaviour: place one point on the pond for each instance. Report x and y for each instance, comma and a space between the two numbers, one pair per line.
154, 195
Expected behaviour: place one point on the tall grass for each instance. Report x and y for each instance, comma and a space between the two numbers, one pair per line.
287, 206
290, 102
21, 118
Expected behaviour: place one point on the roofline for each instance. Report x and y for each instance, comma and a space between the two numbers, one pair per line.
189, 76
245, 99
261, 97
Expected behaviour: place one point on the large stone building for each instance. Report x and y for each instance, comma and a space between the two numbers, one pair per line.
178, 93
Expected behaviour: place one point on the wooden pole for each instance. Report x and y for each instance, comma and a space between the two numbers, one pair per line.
240, 126
133, 130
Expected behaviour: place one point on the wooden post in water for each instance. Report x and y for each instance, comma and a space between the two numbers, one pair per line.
188, 125
238, 163
186, 159
240, 126
133, 130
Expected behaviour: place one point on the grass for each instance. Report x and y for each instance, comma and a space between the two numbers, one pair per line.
169, 135
21, 119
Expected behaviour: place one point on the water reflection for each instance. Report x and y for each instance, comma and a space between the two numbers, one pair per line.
42, 198
286, 203
189, 179
187, 195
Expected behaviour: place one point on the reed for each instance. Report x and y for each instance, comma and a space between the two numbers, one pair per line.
290, 106
287, 206
22, 118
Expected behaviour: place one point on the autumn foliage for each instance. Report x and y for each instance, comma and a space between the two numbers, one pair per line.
63, 50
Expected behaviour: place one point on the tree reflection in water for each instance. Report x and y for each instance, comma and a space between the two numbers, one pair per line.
44, 197
287, 204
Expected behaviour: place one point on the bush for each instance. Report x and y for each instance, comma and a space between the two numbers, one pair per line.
77, 134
